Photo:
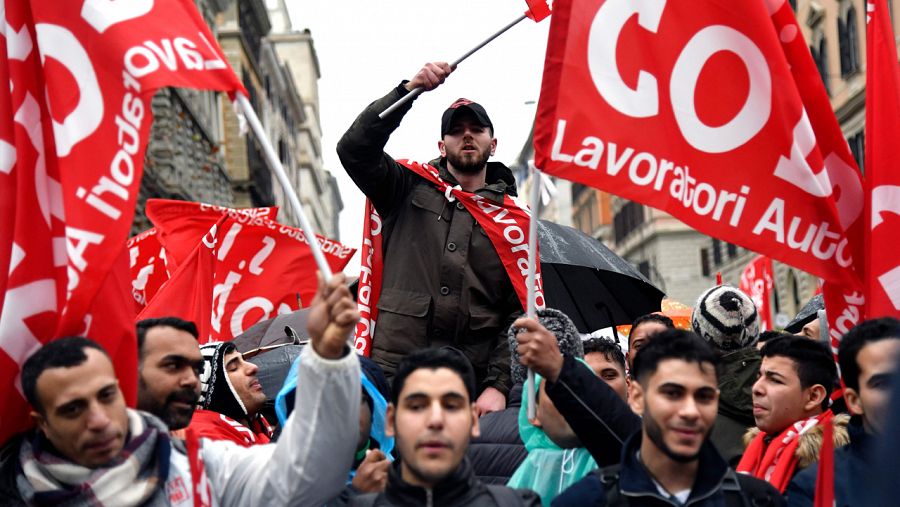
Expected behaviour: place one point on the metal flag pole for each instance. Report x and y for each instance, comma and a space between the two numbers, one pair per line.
278, 169
535, 204
418, 91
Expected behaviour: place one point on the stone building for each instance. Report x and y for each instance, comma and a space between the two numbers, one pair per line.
184, 158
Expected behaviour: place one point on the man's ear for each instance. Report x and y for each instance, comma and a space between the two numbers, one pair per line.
814, 396
476, 429
853, 402
493, 145
39, 420
389, 415
443, 148
636, 397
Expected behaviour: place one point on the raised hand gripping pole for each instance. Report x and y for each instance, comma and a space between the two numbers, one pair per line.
278, 169
418, 91
535, 204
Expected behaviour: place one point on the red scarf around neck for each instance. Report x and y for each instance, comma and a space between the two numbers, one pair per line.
777, 461
506, 226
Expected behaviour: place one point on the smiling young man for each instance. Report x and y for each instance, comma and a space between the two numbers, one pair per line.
231, 398
868, 356
790, 399
671, 461
443, 281
432, 417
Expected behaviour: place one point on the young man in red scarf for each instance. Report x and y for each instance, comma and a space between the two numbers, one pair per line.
790, 400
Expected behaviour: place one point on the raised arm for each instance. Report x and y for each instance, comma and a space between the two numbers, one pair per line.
361, 148
310, 462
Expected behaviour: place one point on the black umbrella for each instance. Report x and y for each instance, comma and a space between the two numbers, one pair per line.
274, 365
588, 282
274, 331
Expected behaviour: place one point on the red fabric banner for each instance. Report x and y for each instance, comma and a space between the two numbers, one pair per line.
252, 268
824, 494
882, 164
712, 111
756, 282
74, 117
149, 262
369, 289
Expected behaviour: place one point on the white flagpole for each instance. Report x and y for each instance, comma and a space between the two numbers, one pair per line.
535, 204
278, 169
418, 91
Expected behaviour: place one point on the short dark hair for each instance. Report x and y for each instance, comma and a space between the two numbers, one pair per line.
432, 359
610, 349
814, 361
651, 317
672, 344
771, 335
180, 324
864, 333
61, 353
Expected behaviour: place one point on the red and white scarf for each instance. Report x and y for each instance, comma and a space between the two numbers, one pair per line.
776, 462
506, 226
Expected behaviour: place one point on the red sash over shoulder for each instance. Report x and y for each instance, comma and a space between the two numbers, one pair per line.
506, 226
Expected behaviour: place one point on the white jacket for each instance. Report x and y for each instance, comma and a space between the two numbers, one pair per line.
307, 466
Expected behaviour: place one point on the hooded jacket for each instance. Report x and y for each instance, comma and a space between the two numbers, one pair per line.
548, 469
738, 371
442, 282
221, 408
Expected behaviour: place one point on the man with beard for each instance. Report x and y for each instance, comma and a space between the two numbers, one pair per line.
432, 417
671, 461
443, 282
169, 366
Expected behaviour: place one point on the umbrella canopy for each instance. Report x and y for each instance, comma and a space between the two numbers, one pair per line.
272, 332
274, 365
587, 281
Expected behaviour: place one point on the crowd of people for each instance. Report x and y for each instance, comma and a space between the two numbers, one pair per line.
719, 415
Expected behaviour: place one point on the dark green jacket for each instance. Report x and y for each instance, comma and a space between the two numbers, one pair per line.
443, 282
738, 371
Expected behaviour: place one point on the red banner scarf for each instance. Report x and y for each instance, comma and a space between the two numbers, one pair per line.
506, 225
777, 461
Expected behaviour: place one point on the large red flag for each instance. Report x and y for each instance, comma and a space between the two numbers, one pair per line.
260, 268
714, 112
74, 120
882, 163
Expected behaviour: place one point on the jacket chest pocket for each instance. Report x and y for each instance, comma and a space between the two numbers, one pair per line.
429, 199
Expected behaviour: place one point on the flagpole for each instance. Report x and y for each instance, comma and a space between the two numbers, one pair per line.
535, 204
278, 169
418, 91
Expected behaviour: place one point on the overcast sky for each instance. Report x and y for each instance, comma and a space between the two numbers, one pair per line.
367, 47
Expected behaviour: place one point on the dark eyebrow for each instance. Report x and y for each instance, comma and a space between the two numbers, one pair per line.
453, 396
671, 385
773, 374
231, 361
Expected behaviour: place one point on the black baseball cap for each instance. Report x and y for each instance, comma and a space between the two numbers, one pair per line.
476, 109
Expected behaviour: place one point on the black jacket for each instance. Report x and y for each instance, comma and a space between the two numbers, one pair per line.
601, 419
853, 466
637, 487
499, 451
443, 282
462, 488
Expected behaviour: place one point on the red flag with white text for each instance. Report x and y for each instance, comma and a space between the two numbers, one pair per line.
261, 268
757, 282
74, 120
882, 164
712, 111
